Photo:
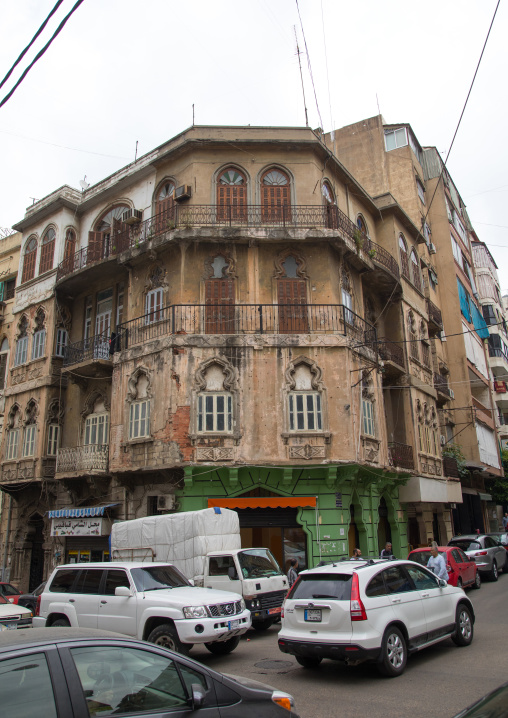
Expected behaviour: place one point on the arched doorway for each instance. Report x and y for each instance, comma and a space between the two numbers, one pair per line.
36, 536
384, 531
353, 533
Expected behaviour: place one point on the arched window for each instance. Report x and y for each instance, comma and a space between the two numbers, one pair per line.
368, 413
30, 430
424, 341
415, 271
69, 249
362, 225
215, 407
165, 206
403, 257
332, 221
13, 429
4, 357
327, 192
22, 342
96, 428
220, 296
275, 197
39, 336
413, 337
305, 396
110, 235
139, 410
231, 196
29, 260
47, 251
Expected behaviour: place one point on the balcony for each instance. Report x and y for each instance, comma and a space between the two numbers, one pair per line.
498, 361
91, 459
90, 355
401, 455
444, 393
392, 355
248, 217
246, 319
450, 467
435, 318
483, 412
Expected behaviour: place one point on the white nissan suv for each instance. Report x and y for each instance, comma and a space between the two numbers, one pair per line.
371, 609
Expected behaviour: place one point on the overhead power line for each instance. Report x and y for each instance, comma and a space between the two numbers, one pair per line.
41, 52
34, 38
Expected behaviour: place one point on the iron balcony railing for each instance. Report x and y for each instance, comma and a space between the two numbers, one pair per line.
401, 455
450, 467
92, 348
435, 314
93, 457
390, 351
441, 384
245, 319
124, 236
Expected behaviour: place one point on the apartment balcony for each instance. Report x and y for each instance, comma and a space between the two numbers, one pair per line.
498, 361
435, 318
244, 217
82, 461
401, 455
14, 475
444, 393
241, 319
501, 395
450, 467
483, 413
89, 357
392, 355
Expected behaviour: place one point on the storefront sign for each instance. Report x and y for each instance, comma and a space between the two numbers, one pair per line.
80, 527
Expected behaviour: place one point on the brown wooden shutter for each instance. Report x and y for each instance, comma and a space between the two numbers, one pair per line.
220, 306
47, 253
29, 266
164, 214
292, 318
95, 247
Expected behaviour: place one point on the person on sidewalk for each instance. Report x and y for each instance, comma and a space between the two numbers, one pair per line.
292, 573
436, 563
387, 551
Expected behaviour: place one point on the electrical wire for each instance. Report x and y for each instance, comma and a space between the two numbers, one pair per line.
310, 67
41, 52
34, 38
65, 147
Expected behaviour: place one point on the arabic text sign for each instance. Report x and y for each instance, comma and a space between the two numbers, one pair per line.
79, 527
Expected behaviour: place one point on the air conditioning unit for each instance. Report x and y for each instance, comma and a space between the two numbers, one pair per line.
165, 503
442, 439
132, 216
432, 248
452, 395
182, 192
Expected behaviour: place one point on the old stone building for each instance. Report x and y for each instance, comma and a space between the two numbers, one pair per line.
230, 320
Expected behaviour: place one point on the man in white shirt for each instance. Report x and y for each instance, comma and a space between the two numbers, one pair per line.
436, 563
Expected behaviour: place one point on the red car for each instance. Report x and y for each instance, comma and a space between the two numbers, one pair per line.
8, 591
462, 570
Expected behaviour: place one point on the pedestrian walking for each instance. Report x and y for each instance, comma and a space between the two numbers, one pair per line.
436, 563
505, 521
356, 553
387, 551
292, 573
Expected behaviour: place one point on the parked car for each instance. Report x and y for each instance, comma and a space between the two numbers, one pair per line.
71, 673
13, 617
10, 592
375, 609
501, 536
29, 600
489, 554
150, 601
462, 569
493, 705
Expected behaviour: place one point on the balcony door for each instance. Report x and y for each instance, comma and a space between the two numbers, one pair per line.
275, 198
231, 197
292, 300
165, 207
219, 306
103, 324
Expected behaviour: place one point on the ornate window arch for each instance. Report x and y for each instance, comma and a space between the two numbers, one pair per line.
305, 405
404, 260
216, 402
47, 250
231, 195
21, 354
275, 188
413, 336
291, 293
95, 416
220, 294
155, 285
14, 424
39, 334
30, 429
165, 204
29, 259
427, 428
368, 405
139, 394
54, 424
110, 234
415, 271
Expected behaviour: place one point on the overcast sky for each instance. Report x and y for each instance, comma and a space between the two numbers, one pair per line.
123, 71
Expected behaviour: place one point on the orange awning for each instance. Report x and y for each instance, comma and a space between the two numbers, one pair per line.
273, 502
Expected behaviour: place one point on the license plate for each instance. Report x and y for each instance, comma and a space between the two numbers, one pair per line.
9, 626
274, 610
312, 614
233, 624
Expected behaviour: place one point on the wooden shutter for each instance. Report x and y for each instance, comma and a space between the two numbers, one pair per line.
29, 266
220, 306
47, 252
69, 252
95, 247
120, 237
275, 204
231, 203
292, 298
165, 214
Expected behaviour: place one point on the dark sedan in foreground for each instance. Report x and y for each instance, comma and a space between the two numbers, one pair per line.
493, 705
76, 673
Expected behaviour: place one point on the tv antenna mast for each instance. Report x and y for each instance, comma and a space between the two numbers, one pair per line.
301, 78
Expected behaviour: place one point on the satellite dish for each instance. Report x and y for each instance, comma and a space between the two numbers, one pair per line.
84, 184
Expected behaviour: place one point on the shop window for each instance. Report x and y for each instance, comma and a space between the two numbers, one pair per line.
47, 251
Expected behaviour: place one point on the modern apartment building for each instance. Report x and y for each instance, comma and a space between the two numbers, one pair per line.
389, 162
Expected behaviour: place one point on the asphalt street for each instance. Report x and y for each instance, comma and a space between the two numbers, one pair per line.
439, 681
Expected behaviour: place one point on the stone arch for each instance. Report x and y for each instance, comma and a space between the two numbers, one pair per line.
133, 390
229, 372
91, 400
280, 271
315, 371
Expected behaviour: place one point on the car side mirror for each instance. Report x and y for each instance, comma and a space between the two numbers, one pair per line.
232, 573
198, 695
123, 591
191, 581
442, 583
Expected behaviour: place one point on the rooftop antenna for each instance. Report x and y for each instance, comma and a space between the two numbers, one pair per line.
301, 77
193, 114
84, 184
378, 109
136, 153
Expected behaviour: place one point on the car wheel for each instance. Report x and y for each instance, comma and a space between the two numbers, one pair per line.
459, 583
63, 622
308, 661
477, 581
166, 636
494, 575
221, 648
463, 626
262, 625
505, 567
393, 656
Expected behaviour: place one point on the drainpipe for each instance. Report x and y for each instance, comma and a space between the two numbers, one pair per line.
7, 534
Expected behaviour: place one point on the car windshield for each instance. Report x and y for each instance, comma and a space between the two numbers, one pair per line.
422, 557
332, 586
258, 562
465, 544
154, 578
8, 590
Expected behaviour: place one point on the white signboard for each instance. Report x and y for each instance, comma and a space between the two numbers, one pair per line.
80, 527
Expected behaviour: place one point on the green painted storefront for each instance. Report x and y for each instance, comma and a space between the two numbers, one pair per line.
367, 494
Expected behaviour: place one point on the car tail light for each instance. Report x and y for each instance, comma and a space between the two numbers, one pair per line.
481, 553
449, 568
11, 599
38, 605
357, 609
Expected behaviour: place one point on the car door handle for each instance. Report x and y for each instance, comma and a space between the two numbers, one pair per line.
71, 600
425, 595
103, 601
395, 600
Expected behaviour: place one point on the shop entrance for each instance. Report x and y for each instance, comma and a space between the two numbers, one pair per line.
35, 533
384, 531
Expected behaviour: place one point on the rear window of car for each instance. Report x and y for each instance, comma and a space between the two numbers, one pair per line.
333, 586
465, 544
63, 580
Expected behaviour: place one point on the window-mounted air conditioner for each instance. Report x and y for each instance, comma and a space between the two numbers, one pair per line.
165, 503
131, 216
432, 248
182, 192
452, 395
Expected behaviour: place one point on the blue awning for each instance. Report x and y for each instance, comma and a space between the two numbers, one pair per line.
464, 300
479, 322
82, 512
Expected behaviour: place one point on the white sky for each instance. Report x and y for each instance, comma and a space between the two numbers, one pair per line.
124, 71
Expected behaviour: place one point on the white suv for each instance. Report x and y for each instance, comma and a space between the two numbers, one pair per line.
367, 609
150, 601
